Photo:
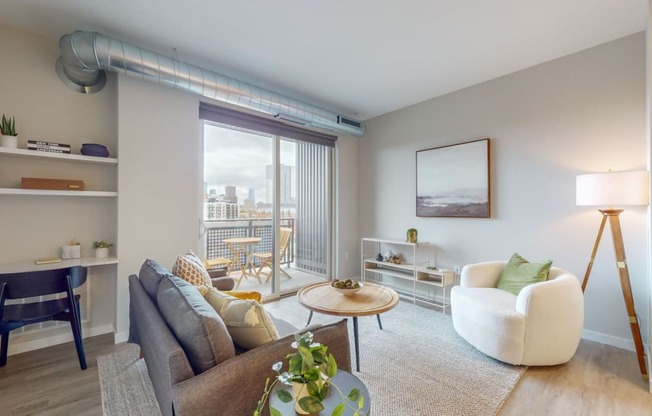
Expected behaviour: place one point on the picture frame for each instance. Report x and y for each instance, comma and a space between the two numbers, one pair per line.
453, 181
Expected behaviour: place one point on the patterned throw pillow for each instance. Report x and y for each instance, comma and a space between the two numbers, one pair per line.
191, 269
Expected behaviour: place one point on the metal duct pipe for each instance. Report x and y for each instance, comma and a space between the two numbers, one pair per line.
86, 55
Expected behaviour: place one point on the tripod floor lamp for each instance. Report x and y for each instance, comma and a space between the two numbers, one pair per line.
608, 190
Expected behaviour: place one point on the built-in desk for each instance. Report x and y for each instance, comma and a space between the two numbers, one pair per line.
36, 336
30, 266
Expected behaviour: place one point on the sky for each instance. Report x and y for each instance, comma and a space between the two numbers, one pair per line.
233, 157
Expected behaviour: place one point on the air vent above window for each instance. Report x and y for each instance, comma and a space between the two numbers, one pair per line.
348, 121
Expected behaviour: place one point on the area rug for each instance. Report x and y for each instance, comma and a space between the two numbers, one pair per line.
416, 366
125, 385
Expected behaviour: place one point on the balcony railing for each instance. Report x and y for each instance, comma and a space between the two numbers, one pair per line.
218, 230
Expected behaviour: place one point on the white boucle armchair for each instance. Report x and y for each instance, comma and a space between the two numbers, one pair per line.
540, 326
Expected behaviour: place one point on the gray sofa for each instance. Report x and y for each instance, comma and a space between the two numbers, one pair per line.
190, 356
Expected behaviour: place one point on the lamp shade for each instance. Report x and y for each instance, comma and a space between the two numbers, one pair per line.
613, 188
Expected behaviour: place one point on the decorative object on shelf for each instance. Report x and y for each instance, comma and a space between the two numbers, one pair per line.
388, 255
608, 190
101, 248
310, 373
453, 181
411, 236
379, 257
52, 184
94, 149
395, 259
8, 131
51, 147
72, 250
346, 287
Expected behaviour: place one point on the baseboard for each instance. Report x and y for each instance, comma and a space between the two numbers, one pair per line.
16, 346
120, 337
608, 340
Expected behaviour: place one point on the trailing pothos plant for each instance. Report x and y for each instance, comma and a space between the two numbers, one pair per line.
312, 366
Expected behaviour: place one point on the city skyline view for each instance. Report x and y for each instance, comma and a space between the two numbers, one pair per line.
240, 158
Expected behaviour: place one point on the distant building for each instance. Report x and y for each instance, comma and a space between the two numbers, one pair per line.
252, 195
287, 184
230, 195
220, 210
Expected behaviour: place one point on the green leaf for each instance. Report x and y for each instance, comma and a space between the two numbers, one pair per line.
339, 410
274, 412
311, 404
331, 366
354, 395
306, 355
284, 395
313, 390
312, 375
324, 392
361, 402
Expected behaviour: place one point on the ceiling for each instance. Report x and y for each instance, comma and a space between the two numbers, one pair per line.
363, 58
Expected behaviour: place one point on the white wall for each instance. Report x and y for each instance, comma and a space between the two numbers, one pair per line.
347, 236
579, 114
33, 227
159, 180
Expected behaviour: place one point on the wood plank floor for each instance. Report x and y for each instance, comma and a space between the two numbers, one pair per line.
600, 380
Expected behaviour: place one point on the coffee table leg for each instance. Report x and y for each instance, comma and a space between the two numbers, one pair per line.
357, 346
380, 324
309, 318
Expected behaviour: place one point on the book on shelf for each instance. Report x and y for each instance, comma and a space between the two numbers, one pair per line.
48, 146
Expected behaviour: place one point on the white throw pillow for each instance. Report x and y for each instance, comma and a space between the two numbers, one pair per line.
247, 321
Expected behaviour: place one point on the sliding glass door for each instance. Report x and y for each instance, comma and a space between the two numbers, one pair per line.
266, 208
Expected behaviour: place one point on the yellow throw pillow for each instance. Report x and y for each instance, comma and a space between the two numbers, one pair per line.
243, 295
247, 321
190, 268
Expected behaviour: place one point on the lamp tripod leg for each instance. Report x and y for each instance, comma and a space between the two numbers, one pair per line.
625, 284
593, 253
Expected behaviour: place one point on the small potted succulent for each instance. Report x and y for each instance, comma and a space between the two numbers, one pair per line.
8, 131
310, 373
101, 248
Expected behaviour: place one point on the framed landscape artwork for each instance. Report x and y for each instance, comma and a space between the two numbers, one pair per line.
453, 181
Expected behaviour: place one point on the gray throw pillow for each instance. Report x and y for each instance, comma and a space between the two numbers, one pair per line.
198, 328
150, 276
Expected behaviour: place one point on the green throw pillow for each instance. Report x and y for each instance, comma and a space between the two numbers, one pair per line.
519, 273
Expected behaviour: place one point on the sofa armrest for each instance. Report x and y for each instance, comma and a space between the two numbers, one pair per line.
484, 274
234, 387
223, 283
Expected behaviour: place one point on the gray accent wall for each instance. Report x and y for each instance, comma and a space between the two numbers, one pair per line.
579, 114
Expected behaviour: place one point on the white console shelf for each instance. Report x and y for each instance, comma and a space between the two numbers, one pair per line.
433, 282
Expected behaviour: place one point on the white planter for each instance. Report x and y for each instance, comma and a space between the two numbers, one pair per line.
70, 252
9, 141
102, 253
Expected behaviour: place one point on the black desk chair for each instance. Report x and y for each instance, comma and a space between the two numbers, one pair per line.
41, 283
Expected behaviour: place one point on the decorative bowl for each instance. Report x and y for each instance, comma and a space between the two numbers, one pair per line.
94, 149
348, 292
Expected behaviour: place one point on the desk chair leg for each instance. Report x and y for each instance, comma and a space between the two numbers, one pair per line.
380, 324
3, 349
75, 324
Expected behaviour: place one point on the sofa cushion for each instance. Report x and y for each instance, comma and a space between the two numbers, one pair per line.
519, 273
191, 269
150, 276
198, 328
248, 322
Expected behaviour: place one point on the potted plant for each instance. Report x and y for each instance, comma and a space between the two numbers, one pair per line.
310, 373
101, 248
8, 131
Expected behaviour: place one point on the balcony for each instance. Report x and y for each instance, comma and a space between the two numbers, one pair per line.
302, 269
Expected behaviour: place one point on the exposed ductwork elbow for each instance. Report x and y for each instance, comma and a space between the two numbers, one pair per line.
86, 55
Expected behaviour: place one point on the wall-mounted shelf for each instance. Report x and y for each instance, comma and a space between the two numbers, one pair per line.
33, 154
47, 192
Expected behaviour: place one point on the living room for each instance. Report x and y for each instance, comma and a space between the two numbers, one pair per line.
579, 111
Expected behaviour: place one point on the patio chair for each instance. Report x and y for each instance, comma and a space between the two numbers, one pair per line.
267, 259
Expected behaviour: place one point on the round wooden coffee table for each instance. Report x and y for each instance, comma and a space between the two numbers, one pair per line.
372, 299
